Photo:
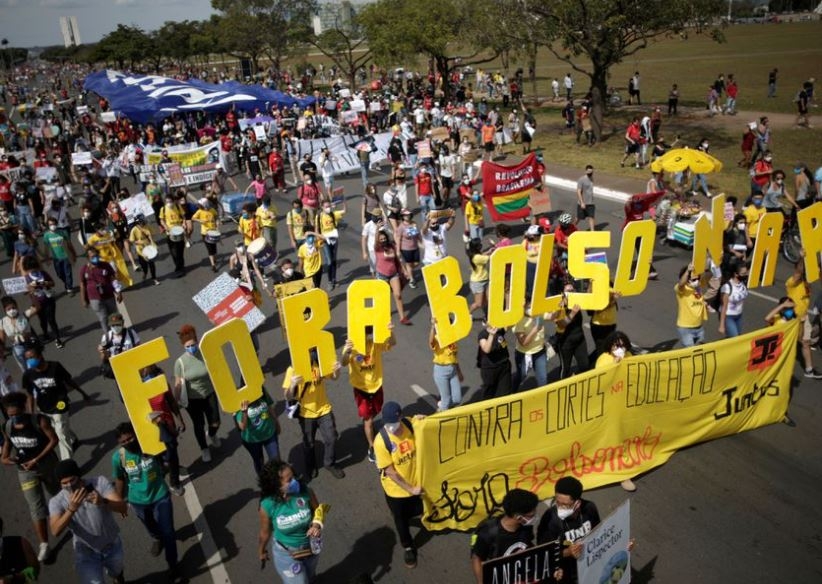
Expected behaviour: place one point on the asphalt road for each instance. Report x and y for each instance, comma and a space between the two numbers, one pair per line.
740, 509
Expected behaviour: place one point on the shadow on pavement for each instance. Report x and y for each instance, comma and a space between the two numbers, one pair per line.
370, 555
645, 574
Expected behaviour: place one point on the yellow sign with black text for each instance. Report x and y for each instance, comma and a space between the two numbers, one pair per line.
602, 426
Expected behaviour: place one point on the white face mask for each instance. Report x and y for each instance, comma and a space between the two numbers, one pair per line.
288, 272
12, 312
529, 520
564, 513
393, 428
694, 283
741, 226
618, 352
52, 228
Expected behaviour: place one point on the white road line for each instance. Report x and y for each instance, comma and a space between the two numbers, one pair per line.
765, 296
214, 559
601, 192
421, 392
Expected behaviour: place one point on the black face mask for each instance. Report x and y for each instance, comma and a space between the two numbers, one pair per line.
133, 447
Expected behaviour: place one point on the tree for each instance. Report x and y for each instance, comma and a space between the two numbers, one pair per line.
448, 32
605, 32
348, 49
126, 44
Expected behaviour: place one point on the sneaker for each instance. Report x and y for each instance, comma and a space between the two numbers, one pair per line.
653, 276
813, 374
628, 485
43, 552
156, 547
336, 471
215, 441
412, 283
59, 344
177, 491
410, 557
206, 454
371, 456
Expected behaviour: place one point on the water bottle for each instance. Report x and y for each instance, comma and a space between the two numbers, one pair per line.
316, 544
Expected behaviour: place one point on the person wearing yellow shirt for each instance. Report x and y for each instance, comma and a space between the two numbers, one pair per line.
297, 221
247, 226
307, 401
447, 373
207, 217
105, 243
799, 291
615, 348
692, 310
141, 236
604, 322
365, 376
266, 215
479, 261
325, 223
530, 352
753, 214
310, 256
172, 215
474, 218
396, 455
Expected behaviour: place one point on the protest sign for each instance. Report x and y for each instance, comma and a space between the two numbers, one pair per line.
137, 204
524, 567
223, 300
605, 557
602, 426
82, 109
46, 173
259, 132
14, 286
80, 158
357, 105
507, 188
423, 149
374, 107
441, 133
190, 155
349, 117
108, 117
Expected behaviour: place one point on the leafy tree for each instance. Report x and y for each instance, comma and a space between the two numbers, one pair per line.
448, 32
348, 49
605, 32
126, 44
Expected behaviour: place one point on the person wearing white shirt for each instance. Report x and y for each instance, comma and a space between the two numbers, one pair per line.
369, 237
434, 240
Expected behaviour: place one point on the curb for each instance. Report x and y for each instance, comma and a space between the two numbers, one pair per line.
602, 192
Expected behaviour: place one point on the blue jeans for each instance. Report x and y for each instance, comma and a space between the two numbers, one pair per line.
290, 570
426, 204
691, 336
448, 384
255, 449
699, 180
540, 365
733, 325
26, 219
364, 172
158, 518
475, 231
330, 258
63, 269
91, 565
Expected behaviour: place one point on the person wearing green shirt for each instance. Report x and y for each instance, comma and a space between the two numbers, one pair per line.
62, 254
148, 494
259, 428
290, 512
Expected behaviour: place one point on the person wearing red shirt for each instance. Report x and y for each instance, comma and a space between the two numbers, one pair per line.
632, 136
276, 169
465, 190
309, 195
731, 89
425, 191
42, 162
6, 197
747, 146
565, 227
231, 122
761, 173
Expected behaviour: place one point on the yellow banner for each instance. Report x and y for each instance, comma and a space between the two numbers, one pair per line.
602, 426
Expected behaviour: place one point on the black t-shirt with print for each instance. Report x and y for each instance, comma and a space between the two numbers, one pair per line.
568, 531
499, 350
491, 540
49, 387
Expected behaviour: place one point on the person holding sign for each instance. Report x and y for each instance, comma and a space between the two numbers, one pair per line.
500, 536
259, 428
692, 309
365, 376
396, 456
799, 291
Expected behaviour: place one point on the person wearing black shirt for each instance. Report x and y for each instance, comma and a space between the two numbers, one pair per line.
568, 520
500, 536
33, 440
18, 564
571, 336
47, 384
308, 167
494, 362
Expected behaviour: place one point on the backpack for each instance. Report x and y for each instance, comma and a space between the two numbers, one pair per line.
384, 433
105, 367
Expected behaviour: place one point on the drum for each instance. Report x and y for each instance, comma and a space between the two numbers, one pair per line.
176, 233
212, 236
262, 253
149, 252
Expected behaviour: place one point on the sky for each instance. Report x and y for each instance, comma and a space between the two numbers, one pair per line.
32, 23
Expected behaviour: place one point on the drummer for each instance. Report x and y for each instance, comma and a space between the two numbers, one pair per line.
143, 241
248, 226
206, 216
171, 220
266, 215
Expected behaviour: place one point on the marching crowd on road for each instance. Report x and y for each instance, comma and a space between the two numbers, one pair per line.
71, 227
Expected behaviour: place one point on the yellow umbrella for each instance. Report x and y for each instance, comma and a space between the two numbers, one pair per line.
684, 158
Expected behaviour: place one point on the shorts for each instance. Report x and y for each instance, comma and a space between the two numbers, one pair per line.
478, 287
631, 148
411, 256
211, 248
489, 146
447, 182
368, 404
588, 211
807, 329
394, 215
385, 278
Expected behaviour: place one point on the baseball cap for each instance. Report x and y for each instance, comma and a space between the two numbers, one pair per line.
391, 412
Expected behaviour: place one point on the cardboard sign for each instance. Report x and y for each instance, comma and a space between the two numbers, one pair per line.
134, 205
222, 300
540, 201
108, 117
46, 173
530, 565
82, 109
357, 105
440, 133
14, 286
80, 158
605, 556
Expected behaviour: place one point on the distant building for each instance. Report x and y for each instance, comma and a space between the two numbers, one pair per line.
70, 30
331, 15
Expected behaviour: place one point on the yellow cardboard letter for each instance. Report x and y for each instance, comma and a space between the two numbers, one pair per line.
708, 235
304, 316
766, 250
540, 301
598, 273
626, 282
369, 304
234, 333
136, 392
507, 309
810, 230
443, 282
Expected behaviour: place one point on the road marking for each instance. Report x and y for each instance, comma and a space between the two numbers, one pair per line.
601, 192
424, 394
765, 296
214, 559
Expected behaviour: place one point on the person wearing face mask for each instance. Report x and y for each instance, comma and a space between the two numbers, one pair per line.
33, 441
309, 195
777, 198
738, 243
41, 291
99, 287
396, 455
297, 222
291, 518
18, 562
105, 243
799, 290
434, 239
16, 332
310, 257
733, 294
474, 217
194, 391
586, 209
568, 521
692, 311
761, 173
326, 225
208, 218
570, 335
172, 215
266, 215
388, 269
116, 340
86, 506
24, 247
753, 215
148, 494
502, 535
62, 254
287, 273
247, 226
165, 414
8, 230
141, 236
